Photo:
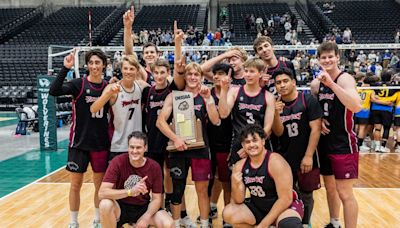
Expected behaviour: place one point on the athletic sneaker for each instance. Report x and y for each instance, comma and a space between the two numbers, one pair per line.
364, 149
73, 225
96, 224
330, 226
226, 225
213, 214
187, 222
384, 149
397, 150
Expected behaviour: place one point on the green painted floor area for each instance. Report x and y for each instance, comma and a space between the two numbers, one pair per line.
8, 122
24, 169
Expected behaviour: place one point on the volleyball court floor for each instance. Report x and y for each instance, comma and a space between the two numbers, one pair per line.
34, 186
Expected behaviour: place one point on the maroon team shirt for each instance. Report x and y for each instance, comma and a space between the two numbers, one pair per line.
124, 176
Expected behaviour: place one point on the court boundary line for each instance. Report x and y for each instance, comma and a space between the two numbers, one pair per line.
33, 182
64, 183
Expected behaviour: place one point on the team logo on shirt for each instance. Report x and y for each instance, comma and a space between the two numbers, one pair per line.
87, 91
256, 179
295, 116
90, 99
326, 96
125, 103
198, 107
132, 181
241, 98
249, 107
151, 97
154, 104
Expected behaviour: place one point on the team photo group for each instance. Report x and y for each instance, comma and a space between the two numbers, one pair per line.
264, 144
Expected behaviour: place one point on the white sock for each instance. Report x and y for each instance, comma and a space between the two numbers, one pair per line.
213, 205
97, 214
177, 223
74, 216
335, 222
204, 223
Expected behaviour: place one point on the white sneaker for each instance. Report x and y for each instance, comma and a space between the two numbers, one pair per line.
187, 222
96, 224
73, 225
364, 149
383, 149
397, 150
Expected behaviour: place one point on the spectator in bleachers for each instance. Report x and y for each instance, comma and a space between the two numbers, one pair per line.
287, 26
300, 25
217, 38
372, 56
397, 36
386, 58
259, 24
288, 37
394, 61
347, 36
362, 57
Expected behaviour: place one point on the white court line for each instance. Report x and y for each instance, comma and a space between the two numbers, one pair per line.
33, 182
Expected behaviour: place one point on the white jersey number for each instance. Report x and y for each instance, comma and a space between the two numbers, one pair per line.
99, 114
257, 191
293, 129
250, 118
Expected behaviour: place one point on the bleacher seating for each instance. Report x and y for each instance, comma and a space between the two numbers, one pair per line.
8, 15
25, 55
237, 12
154, 17
369, 21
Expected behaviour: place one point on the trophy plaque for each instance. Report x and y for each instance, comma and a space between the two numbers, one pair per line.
184, 122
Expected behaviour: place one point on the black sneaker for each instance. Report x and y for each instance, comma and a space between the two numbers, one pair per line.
213, 212
330, 226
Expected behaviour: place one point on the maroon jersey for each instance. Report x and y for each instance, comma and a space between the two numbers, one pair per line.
124, 176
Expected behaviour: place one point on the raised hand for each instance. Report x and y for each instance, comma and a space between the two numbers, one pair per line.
140, 187
180, 65
205, 92
226, 81
325, 78
178, 33
69, 60
129, 17
114, 88
279, 105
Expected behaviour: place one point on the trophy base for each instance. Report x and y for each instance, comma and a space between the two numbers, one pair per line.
196, 143
190, 146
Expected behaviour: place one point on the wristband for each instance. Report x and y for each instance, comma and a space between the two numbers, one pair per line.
129, 193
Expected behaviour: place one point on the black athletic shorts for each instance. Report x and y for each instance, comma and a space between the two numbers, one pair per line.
381, 117
396, 121
358, 120
130, 213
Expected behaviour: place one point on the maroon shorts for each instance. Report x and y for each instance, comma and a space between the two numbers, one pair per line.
78, 160
342, 166
222, 167
201, 168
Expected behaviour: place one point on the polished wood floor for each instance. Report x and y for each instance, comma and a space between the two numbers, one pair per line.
44, 203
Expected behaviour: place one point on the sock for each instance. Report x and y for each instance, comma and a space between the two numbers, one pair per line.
213, 205
167, 199
335, 222
177, 223
97, 214
360, 142
204, 223
183, 214
384, 142
74, 216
